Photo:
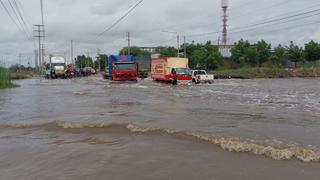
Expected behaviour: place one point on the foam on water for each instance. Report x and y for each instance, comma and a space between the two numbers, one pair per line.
232, 144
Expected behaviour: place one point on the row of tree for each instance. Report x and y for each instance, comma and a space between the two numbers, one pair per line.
99, 63
207, 56
244, 53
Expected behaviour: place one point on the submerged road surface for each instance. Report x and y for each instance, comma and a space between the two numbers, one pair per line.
92, 128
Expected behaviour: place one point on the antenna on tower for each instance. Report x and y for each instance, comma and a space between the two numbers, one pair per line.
224, 5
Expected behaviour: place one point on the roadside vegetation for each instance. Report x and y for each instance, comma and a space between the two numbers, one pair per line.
18, 72
99, 63
260, 60
248, 60
5, 79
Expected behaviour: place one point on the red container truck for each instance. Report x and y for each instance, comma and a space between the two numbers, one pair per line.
173, 70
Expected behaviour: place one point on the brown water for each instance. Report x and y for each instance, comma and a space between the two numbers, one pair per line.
95, 129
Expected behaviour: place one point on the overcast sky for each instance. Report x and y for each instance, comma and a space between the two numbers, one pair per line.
83, 20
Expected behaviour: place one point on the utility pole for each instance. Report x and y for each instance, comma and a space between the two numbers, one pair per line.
178, 44
39, 34
184, 47
43, 29
178, 40
128, 34
36, 59
99, 60
29, 59
20, 59
41, 6
43, 50
72, 60
87, 61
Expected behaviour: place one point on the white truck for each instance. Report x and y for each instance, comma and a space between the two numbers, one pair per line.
201, 76
57, 67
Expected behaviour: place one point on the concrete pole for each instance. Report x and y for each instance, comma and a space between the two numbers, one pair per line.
128, 33
178, 44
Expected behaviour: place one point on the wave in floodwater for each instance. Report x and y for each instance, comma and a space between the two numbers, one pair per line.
232, 144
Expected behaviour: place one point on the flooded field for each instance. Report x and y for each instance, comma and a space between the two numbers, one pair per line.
92, 128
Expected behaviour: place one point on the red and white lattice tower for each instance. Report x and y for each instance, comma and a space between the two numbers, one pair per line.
225, 5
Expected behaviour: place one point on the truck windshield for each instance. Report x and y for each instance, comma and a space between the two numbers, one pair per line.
58, 64
182, 71
199, 73
128, 67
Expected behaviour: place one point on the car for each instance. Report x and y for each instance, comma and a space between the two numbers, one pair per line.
201, 76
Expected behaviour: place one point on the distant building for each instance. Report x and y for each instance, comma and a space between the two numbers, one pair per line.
152, 50
225, 50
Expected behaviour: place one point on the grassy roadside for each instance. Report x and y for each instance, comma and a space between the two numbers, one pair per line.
250, 73
5, 79
21, 75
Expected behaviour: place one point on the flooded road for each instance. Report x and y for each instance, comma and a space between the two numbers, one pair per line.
95, 129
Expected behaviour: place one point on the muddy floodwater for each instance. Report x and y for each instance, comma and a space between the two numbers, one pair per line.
92, 128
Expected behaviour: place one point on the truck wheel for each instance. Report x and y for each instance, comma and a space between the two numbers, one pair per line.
193, 80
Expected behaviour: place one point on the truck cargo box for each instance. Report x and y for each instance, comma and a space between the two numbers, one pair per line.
170, 70
123, 68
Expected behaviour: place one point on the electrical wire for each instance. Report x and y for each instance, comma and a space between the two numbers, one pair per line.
12, 19
263, 23
119, 20
18, 18
20, 14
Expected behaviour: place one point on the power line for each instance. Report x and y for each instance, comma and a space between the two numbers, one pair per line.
262, 23
216, 32
23, 12
290, 27
12, 19
18, 18
280, 19
20, 14
161, 42
119, 20
280, 23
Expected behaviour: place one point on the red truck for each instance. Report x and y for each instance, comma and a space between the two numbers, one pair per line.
122, 68
173, 70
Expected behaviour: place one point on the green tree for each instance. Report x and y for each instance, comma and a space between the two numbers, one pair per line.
84, 61
191, 48
295, 53
101, 62
135, 51
206, 56
168, 52
251, 56
243, 53
214, 58
198, 57
279, 55
312, 51
264, 51
238, 52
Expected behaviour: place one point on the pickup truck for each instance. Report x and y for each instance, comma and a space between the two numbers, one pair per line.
201, 76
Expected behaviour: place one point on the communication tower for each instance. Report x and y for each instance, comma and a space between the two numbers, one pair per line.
224, 5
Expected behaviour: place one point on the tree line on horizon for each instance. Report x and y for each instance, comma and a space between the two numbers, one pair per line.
207, 55
262, 53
